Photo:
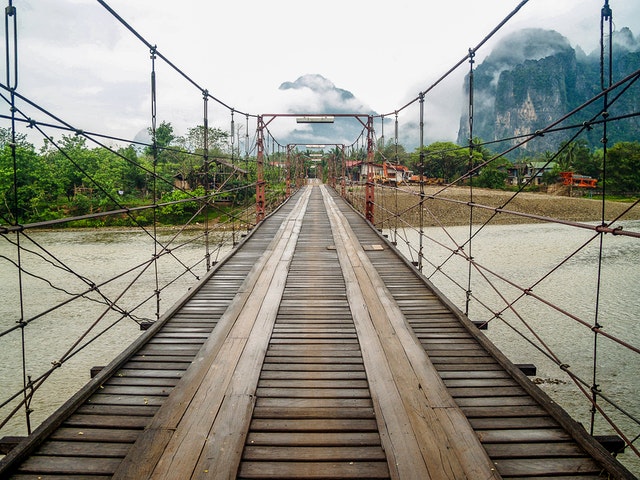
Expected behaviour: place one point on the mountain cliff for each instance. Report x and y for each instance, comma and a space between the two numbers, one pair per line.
534, 77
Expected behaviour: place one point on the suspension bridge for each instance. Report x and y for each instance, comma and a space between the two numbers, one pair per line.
319, 343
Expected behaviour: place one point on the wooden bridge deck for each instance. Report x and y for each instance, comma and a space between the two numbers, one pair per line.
314, 351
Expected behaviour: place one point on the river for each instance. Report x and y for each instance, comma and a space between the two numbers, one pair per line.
522, 253
97, 256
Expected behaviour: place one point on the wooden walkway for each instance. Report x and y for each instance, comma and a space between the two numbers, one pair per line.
314, 351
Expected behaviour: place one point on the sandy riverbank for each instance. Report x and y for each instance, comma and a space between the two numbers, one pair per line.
450, 206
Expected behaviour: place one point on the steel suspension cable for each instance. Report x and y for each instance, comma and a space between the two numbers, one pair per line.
470, 169
606, 17
154, 151
397, 161
11, 57
205, 161
422, 196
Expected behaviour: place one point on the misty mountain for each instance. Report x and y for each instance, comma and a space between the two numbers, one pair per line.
533, 77
315, 94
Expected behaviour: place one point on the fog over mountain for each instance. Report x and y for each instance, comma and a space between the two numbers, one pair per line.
315, 94
530, 79
533, 77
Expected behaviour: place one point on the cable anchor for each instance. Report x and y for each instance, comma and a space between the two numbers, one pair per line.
607, 13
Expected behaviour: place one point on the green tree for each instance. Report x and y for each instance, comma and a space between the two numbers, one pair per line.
164, 138
578, 157
73, 163
28, 191
390, 153
585, 162
218, 140
444, 160
494, 174
623, 168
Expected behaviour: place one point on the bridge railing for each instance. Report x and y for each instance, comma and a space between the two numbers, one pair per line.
544, 274
99, 235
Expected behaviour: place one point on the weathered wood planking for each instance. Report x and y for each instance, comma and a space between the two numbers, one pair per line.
148, 360
200, 430
314, 415
421, 420
519, 426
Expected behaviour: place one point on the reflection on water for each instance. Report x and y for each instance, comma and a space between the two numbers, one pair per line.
526, 254
61, 265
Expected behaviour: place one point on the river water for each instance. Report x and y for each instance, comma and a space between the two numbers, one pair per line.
97, 256
522, 253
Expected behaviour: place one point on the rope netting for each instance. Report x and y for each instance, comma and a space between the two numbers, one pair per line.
520, 297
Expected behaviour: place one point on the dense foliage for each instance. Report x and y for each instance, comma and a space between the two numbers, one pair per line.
67, 178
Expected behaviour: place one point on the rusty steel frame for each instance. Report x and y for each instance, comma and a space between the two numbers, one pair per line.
365, 120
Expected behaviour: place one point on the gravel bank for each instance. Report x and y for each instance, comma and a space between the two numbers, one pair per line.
449, 206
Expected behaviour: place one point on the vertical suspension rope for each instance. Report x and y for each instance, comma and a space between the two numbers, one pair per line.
469, 252
233, 134
606, 79
421, 213
205, 160
11, 57
154, 151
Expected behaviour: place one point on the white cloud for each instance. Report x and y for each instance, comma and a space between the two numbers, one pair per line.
385, 53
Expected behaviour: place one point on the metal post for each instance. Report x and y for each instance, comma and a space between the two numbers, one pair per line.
343, 160
289, 147
370, 186
260, 184
420, 250
469, 251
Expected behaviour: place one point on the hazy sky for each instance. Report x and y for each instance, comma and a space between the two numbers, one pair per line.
78, 62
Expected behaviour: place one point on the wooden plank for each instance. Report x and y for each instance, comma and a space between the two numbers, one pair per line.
318, 470
523, 435
313, 384
31, 476
498, 423
314, 413
528, 467
314, 425
84, 449
533, 450
95, 435
107, 421
127, 400
312, 375
310, 439
325, 454
69, 465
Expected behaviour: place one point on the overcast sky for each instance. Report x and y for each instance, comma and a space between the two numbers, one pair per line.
78, 62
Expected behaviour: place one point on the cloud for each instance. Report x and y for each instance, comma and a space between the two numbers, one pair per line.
242, 52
